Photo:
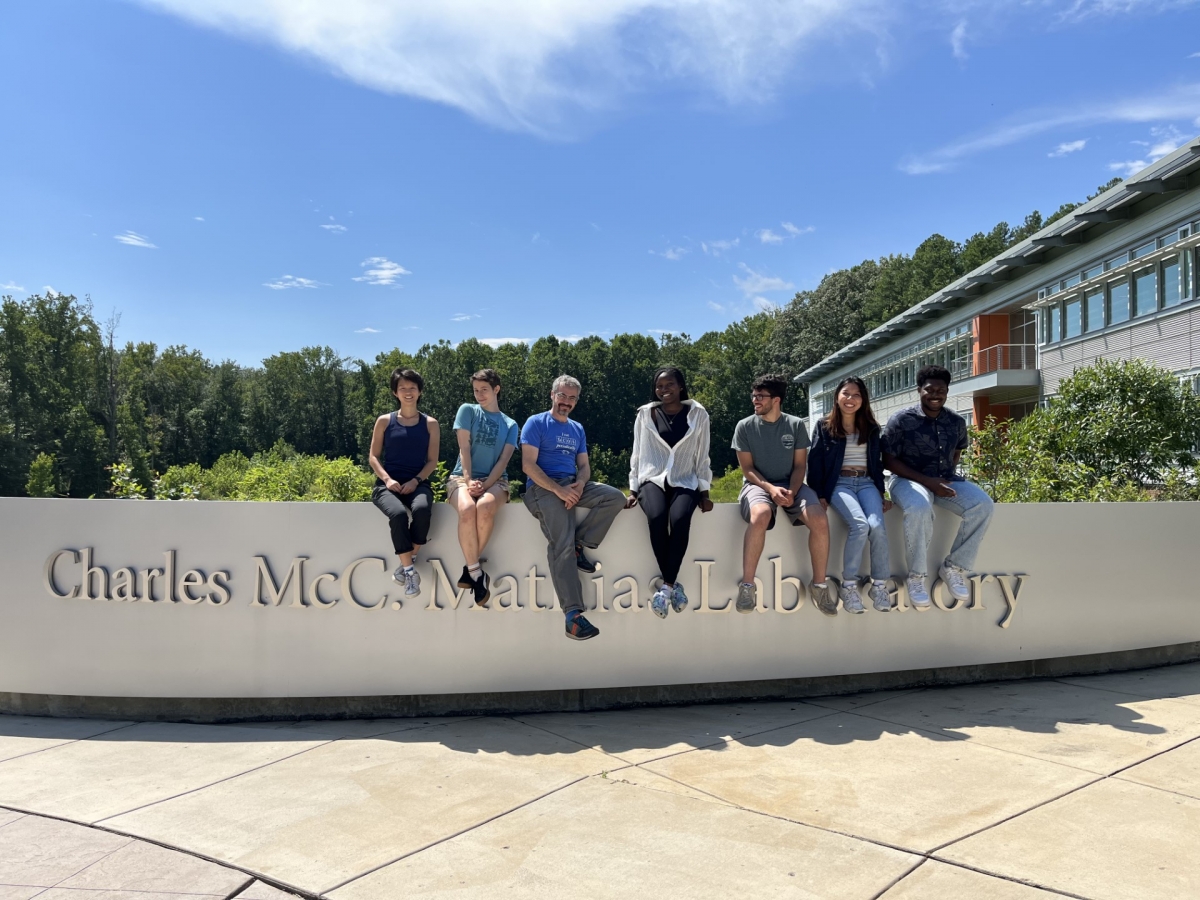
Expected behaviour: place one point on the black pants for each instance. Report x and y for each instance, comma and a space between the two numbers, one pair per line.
397, 508
670, 515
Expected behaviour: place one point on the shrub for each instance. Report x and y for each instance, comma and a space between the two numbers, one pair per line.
41, 481
726, 488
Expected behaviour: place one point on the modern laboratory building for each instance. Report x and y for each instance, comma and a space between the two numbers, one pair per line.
1115, 279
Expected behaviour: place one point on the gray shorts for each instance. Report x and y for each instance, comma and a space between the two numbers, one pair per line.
752, 494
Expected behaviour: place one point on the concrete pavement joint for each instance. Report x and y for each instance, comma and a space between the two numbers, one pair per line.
450, 837
68, 743
895, 881
242, 889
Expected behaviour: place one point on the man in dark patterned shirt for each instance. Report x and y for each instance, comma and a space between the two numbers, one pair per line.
921, 447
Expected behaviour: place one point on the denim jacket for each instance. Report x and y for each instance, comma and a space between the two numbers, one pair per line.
825, 461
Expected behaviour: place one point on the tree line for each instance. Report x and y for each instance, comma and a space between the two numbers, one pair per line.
76, 402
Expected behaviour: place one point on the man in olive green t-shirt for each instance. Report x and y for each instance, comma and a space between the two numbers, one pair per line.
772, 450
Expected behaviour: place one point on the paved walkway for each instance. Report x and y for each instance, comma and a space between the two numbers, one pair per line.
1080, 787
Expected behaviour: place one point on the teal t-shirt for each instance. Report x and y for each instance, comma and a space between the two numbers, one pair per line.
489, 433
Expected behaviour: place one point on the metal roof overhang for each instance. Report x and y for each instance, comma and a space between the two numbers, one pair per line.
1167, 175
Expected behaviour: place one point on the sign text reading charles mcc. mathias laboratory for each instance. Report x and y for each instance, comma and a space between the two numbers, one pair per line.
72, 574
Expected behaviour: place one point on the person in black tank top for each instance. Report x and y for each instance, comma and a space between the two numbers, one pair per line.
404, 453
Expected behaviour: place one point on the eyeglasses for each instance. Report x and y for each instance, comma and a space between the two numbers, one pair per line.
567, 398
760, 396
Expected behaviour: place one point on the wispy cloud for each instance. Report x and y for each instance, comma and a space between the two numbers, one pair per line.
381, 270
198, 218
1194, 56
767, 236
291, 281
674, 254
11, 286
1180, 102
1166, 140
334, 227
463, 317
501, 341
367, 330
133, 239
715, 306
796, 232
1068, 147
958, 41
754, 283
536, 66
716, 248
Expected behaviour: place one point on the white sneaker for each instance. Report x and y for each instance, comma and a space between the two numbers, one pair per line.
851, 598
955, 580
880, 598
916, 591
412, 583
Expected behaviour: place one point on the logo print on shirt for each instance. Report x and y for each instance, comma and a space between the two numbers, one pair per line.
488, 431
788, 441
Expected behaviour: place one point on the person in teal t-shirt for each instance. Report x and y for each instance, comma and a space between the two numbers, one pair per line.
478, 485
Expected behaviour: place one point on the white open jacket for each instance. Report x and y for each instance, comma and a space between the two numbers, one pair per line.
685, 465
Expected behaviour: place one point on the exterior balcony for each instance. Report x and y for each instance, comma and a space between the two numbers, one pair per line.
998, 377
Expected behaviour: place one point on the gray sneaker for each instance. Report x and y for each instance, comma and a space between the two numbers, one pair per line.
660, 603
916, 591
747, 598
822, 599
880, 598
851, 599
955, 580
679, 600
412, 582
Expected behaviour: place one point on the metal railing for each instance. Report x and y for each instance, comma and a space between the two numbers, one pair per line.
1003, 356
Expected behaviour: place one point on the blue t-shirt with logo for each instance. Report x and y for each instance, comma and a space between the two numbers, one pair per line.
558, 443
490, 432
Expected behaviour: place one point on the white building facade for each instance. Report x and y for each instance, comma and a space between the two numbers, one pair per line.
1116, 278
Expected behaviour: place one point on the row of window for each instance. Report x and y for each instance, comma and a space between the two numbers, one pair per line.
1161, 285
1166, 239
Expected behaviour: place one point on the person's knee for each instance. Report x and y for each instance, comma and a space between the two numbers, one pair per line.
815, 519
760, 516
986, 506
858, 527
466, 506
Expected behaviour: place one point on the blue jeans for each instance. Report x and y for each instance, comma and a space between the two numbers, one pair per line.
970, 502
858, 502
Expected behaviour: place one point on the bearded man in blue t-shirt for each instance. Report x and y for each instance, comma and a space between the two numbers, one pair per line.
554, 457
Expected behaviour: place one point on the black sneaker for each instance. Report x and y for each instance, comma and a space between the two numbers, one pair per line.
579, 628
482, 586
582, 562
465, 580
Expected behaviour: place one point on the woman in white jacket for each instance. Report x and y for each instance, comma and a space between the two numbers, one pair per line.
669, 475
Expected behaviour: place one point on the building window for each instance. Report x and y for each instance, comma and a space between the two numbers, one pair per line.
1118, 302
1094, 312
1073, 318
1116, 261
1094, 272
1172, 286
1053, 322
1144, 250
1145, 291
1185, 274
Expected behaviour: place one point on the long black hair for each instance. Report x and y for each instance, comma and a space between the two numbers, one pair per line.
674, 373
864, 419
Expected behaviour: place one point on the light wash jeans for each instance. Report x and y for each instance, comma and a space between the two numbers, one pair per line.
857, 501
970, 502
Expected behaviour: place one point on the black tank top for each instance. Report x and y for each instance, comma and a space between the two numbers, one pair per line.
405, 447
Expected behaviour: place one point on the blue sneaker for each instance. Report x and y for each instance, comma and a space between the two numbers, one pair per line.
581, 560
579, 628
660, 603
679, 600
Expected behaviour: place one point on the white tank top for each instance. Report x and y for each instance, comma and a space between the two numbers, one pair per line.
856, 453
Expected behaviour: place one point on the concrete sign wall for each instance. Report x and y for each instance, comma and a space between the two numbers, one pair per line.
108, 598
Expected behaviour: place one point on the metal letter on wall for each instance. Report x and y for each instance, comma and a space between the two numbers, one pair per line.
48, 575
348, 583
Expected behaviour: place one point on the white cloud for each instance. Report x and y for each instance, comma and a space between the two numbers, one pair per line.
133, 239
1166, 140
716, 248
49, 291
11, 286
715, 307
198, 218
532, 65
334, 227
767, 236
762, 304
958, 40
674, 254
500, 342
1194, 56
291, 281
796, 232
463, 317
755, 283
537, 238
1068, 147
1180, 102
381, 270
367, 330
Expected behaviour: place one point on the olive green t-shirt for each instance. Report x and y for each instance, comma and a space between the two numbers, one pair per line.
772, 444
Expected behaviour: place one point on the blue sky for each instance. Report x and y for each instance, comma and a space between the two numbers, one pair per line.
250, 176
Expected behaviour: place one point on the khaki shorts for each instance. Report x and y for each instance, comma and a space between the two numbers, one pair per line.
752, 494
454, 482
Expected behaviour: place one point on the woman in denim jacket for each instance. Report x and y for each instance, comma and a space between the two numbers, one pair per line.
845, 468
